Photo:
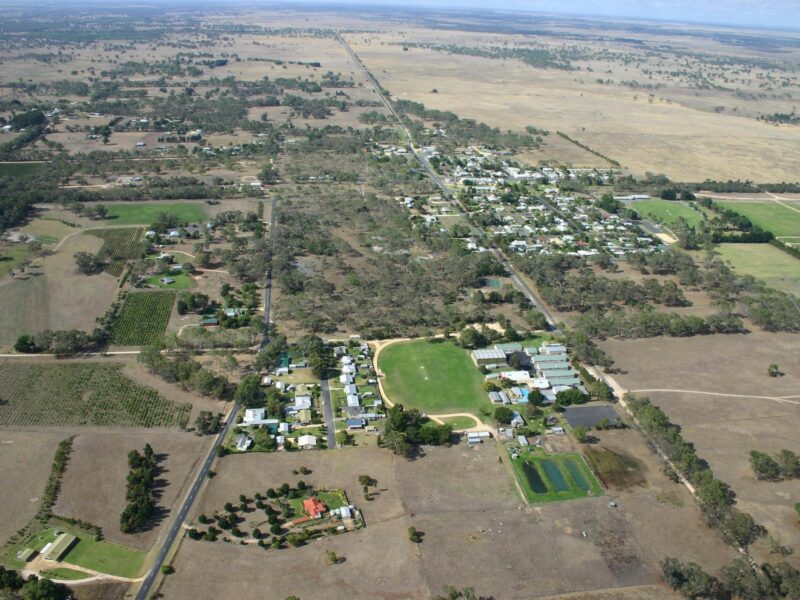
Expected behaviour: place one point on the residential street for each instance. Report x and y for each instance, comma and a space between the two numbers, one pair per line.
327, 410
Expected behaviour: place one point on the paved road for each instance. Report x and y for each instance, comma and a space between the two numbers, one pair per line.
268, 285
327, 411
177, 524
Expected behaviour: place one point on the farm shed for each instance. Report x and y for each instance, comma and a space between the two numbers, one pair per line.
59, 548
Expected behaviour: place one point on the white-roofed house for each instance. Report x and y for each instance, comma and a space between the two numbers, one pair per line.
307, 442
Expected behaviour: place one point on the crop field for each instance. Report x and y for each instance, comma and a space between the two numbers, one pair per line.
143, 318
144, 213
775, 267
552, 478
120, 246
433, 377
666, 211
73, 394
770, 216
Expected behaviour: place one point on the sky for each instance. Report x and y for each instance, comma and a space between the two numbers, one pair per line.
779, 14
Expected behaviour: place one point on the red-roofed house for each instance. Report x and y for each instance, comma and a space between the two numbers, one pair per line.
314, 507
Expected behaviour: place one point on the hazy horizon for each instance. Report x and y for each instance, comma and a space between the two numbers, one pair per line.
743, 13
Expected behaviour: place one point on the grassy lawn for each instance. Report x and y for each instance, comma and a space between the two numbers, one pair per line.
105, 557
67, 574
666, 211
86, 552
773, 266
460, 422
781, 221
140, 213
182, 281
11, 256
555, 477
433, 377
47, 231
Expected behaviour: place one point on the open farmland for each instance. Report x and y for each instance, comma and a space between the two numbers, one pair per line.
782, 221
717, 389
664, 132
772, 265
667, 212
465, 503
23, 487
71, 394
436, 377
92, 488
120, 246
143, 318
144, 213
53, 295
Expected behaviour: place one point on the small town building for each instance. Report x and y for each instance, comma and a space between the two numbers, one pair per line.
307, 442
487, 357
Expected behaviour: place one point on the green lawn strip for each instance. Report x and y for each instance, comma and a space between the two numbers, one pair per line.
433, 377
11, 256
771, 216
776, 268
181, 281
20, 169
560, 462
139, 213
667, 211
66, 574
105, 557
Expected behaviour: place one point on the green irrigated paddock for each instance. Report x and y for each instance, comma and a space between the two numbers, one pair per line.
778, 269
770, 216
435, 377
143, 318
555, 477
78, 394
667, 211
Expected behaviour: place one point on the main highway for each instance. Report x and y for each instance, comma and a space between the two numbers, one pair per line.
177, 524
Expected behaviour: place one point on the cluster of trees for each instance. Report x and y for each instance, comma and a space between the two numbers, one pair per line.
195, 302
140, 490
717, 499
784, 465
180, 368
406, 429
648, 322
88, 263
14, 587
740, 579
208, 423
62, 343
